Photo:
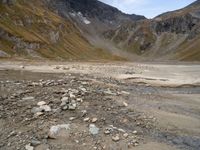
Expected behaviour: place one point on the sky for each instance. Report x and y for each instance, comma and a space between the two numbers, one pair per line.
148, 8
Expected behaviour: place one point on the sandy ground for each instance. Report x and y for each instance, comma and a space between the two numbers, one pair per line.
167, 94
153, 74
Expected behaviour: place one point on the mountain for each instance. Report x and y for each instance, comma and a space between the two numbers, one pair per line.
172, 35
90, 30
53, 28
31, 29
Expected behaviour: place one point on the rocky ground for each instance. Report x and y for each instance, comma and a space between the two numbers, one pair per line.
72, 109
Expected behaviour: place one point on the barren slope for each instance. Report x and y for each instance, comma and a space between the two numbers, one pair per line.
30, 29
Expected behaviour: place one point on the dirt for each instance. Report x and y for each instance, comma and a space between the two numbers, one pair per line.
125, 113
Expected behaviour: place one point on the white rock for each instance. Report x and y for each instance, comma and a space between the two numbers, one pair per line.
29, 147
55, 130
116, 138
72, 118
93, 129
79, 100
72, 107
38, 114
125, 135
86, 119
135, 132
36, 110
46, 108
125, 104
94, 120
22, 67
29, 98
65, 99
71, 95
125, 93
41, 103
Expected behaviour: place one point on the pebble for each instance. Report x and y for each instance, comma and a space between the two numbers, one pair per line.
125, 135
41, 103
135, 132
55, 130
22, 67
38, 114
65, 108
63, 104
72, 118
28, 98
46, 108
93, 129
72, 106
65, 100
94, 120
107, 132
125, 104
86, 119
29, 147
71, 95
79, 100
35, 110
35, 142
116, 138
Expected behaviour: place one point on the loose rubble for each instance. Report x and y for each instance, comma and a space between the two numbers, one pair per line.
58, 112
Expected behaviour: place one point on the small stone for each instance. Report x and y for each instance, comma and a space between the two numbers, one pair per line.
79, 100
65, 108
125, 135
56, 130
136, 144
71, 95
94, 120
72, 107
125, 93
46, 108
36, 110
107, 132
41, 103
22, 67
93, 129
29, 98
125, 104
135, 132
65, 100
63, 104
35, 142
72, 118
116, 138
29, 147
38, 114
86, 119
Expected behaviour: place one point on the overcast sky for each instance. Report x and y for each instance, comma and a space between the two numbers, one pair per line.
148, 8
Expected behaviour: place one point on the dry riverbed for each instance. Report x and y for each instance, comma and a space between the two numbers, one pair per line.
109, 106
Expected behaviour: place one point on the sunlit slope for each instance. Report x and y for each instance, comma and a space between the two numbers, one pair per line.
29, 29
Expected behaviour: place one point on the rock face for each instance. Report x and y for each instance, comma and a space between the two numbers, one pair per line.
94, 9
172, 35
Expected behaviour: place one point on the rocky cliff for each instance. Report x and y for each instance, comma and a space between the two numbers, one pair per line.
172, 35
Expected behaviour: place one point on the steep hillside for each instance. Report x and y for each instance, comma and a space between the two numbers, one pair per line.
172, 35
30, 29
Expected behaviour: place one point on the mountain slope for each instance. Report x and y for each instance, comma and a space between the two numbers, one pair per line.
30, 29
172, 35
